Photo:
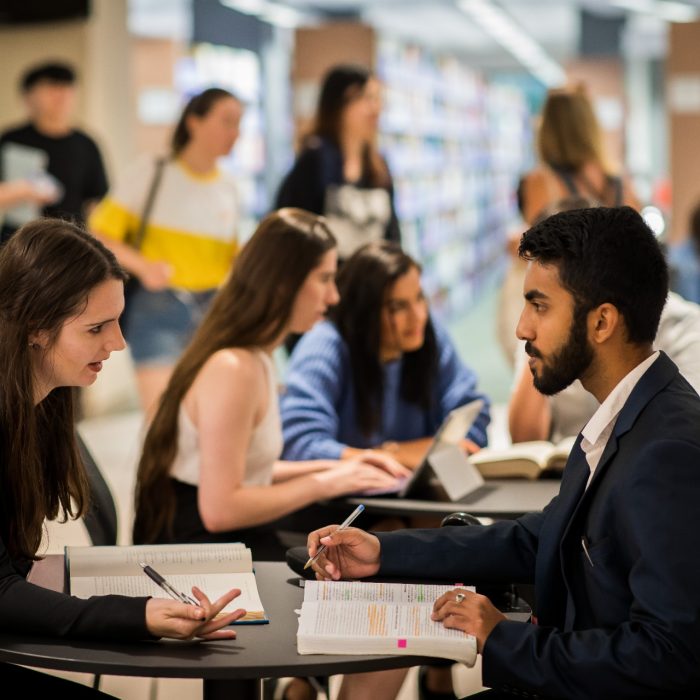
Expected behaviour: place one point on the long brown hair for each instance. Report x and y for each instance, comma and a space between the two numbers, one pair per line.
199, 106
47, 270
251, 310
570, 135
342, 85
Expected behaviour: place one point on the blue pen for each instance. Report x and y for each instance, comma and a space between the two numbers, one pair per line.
346, 523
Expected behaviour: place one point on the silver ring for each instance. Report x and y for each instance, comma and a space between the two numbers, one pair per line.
459, 598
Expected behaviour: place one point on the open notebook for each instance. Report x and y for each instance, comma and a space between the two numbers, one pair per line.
213, 568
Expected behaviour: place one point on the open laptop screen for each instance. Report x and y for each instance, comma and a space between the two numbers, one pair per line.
445, 447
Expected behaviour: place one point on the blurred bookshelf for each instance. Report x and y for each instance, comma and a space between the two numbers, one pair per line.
456, 145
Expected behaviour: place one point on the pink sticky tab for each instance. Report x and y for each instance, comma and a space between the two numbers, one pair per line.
459, 585
401, 643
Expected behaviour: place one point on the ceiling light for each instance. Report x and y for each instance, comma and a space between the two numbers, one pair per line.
663, 9
503, 29
267, 11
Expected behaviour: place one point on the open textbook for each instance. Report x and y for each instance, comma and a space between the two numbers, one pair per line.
356, 617
524, 459
213, 568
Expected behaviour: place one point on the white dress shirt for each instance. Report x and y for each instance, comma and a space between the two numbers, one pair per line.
598, 430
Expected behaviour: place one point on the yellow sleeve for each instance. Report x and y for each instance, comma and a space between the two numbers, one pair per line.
111, 219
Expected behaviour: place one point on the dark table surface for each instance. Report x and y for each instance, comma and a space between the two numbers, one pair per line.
504, 499
260, 651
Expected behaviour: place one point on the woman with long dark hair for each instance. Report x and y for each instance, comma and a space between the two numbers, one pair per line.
61, 294
379, 373
210, 468
173, 224
339, 172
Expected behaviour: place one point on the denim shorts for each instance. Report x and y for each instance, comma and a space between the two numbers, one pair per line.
160, 324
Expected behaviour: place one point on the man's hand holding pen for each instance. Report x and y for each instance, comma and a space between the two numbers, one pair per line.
349, 553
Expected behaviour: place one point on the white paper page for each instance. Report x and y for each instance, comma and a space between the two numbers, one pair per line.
386, 592
166, 559
535, 450
20, 162
344, 627
214, 585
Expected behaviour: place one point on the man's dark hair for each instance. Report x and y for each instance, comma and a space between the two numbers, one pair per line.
605, 255
53, 72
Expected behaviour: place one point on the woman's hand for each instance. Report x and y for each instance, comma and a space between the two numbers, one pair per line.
352, 476
381, 460
154, 276
469, 446
467, 611
349, 553
169, 618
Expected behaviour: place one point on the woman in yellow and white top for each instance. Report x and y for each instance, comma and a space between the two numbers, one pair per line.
190, 240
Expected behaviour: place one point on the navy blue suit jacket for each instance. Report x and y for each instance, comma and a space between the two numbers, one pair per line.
627, 625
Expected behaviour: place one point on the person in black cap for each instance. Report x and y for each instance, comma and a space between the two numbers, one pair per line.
63, 163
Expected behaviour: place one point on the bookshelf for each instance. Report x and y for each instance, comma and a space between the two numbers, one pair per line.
456, 145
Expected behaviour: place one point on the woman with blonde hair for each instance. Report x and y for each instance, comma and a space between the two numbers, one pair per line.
573, 158
574, 164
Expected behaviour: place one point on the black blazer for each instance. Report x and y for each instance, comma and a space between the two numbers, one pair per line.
625, 624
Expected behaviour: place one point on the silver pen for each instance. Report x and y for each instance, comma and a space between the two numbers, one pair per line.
584, 544
343, 525
160, 581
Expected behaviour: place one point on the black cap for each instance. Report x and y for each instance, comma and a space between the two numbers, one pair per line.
53, 72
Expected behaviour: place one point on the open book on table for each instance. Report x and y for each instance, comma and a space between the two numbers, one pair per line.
357, 617
213, 568
524, 459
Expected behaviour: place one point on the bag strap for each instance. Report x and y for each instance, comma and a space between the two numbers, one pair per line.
140, 234
567, 177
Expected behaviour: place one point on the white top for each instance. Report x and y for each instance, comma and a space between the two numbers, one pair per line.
264, 448
193, 224
599, 428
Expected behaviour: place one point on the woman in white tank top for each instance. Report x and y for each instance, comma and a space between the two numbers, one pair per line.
210, 468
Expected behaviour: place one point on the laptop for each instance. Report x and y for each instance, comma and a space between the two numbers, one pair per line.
446, 462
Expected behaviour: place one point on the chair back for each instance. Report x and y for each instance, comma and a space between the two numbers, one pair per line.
101, 518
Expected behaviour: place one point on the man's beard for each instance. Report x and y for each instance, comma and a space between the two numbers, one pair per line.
568, 363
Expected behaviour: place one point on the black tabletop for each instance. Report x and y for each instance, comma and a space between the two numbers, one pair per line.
259, 651
498, 498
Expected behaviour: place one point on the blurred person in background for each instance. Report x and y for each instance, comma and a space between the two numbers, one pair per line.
189, 235
573, 165
573, 161
684, 261
62, 163
340, 172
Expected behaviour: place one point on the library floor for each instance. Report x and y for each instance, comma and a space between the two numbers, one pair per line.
112, 431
